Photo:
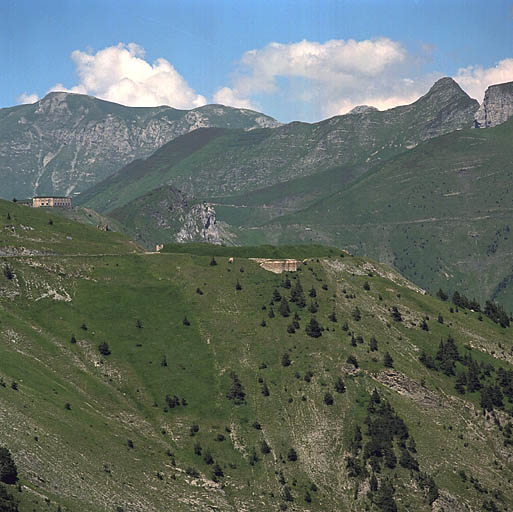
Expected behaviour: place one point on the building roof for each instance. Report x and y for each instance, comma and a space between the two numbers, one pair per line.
51, 197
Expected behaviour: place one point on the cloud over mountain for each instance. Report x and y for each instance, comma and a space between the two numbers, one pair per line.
336, 75
315, 80
476, 79
122, 75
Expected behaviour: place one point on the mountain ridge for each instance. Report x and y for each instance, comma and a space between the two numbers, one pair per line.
66, 142
243, 162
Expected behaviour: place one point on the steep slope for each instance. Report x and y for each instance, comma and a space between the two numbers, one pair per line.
239, 162
497, 106
65, 143
441, 213
167, 215
165, 382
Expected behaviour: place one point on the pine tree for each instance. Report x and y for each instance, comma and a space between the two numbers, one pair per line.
461, 382
8, 470
292, 455
373, 344
340, 387
236, 392
313, 329
104, 349
284, 309
384, 497
396, 316
328, 398
442, 295
388, 361
8, 272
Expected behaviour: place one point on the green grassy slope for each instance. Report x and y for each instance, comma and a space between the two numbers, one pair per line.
37, 231
336, 150
79, 456
262, 251
441, 213
134, 180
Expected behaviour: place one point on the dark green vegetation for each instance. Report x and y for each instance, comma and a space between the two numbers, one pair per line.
133, 381
66, 143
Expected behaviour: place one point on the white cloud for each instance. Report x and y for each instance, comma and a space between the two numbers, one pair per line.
475, 79
27, 98
228, 96
120, 74
333, 77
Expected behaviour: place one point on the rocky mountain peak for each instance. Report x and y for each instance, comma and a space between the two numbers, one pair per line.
446, 89
497, 106
67, 142
362, 109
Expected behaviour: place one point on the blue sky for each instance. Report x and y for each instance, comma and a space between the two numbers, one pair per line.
292, 59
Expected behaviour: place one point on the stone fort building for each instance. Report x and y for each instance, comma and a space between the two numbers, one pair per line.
51, 202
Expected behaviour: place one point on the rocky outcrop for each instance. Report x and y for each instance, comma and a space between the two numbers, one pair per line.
168, 215
446, 108
277, 266
362, 109
199, 225
497, 106
65, 143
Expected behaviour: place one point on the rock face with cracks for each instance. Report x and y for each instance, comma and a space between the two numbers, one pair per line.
497, 106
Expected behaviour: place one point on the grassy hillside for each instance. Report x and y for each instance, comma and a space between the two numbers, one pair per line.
262, 251
37, 231
203, 399
440, 213
234, 163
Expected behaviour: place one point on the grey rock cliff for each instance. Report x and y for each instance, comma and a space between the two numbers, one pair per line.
168, 215
497, 106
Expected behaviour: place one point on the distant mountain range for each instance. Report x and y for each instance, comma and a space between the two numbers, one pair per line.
65, 143
214, 163
415, 186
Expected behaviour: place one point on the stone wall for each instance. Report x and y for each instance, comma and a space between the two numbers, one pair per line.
277, 266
